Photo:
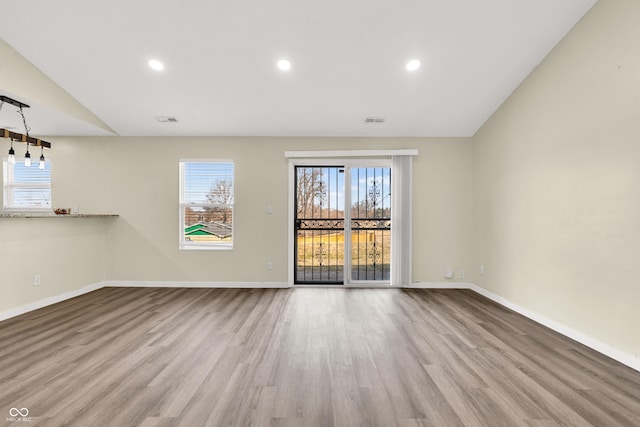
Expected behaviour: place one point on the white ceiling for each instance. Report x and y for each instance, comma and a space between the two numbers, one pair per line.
348, 61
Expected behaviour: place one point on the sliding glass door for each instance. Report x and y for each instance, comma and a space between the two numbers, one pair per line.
334, 244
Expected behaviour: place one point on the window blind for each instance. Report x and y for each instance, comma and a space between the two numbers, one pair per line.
26, 188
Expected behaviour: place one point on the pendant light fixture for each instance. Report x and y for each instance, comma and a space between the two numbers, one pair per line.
24, 138
27, 157
12, 154
41, 165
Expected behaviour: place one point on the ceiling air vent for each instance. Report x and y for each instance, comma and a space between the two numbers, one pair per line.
374, 119
166, 119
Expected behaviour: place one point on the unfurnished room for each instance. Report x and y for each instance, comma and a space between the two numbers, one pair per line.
336, 213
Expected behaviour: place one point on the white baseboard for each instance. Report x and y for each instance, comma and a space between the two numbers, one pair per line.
177, 284
48, 301
600, 347
439, 285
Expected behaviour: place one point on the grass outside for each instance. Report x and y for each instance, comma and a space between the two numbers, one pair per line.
326, 249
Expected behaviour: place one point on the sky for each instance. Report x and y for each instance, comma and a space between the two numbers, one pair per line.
199, 177
361, 182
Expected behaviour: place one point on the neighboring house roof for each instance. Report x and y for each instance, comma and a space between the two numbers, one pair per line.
194, 227
217, 229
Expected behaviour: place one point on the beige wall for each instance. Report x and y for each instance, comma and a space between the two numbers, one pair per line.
137, 178
67, 253
557, 183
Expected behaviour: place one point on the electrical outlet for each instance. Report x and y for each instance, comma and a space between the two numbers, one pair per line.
269, 265
448, 273
36, 280
482, 270
461, 274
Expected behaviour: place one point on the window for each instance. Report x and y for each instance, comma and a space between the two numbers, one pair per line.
26, 188
206, 204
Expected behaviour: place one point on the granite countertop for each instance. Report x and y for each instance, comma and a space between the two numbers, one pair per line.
53, 215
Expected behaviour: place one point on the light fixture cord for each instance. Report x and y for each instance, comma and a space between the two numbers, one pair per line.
2, 105
26, 128
24, 121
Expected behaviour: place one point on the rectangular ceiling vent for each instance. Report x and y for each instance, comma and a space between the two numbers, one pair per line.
166, 119
374, 119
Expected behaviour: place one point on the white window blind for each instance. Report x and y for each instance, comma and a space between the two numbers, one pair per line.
26, 188
206, 204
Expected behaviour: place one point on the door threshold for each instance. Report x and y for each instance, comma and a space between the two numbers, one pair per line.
349, 286
316, 285
369, 285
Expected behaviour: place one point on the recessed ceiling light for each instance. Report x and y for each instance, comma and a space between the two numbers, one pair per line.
413, 65
156, 65
284, 65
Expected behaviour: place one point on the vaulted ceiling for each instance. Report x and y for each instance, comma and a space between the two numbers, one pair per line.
348, 62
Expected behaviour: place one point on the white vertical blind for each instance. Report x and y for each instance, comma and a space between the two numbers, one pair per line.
401, 243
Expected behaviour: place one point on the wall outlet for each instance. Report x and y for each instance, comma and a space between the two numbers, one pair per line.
461, 274
36, 280
482, 270
269, 210
269, 265
448, 273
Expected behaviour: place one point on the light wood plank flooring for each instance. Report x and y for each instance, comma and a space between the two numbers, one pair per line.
302, 357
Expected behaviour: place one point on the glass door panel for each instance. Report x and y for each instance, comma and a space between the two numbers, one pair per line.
319, 225
370, 224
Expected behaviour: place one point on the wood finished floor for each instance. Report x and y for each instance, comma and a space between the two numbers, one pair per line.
302, 357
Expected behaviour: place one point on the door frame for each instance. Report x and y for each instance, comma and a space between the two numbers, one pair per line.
348, 163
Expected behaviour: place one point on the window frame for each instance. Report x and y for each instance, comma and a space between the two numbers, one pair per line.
11, 185
184, 244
